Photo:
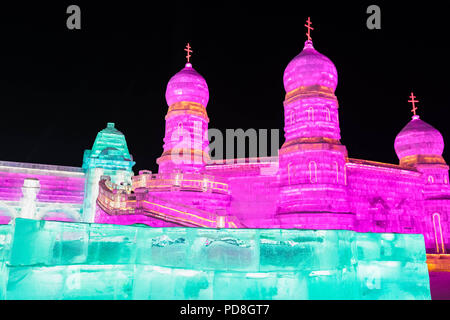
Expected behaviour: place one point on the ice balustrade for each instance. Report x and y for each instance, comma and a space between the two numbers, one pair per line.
179, 180
115, 201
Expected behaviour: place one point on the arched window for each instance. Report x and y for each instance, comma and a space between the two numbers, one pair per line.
180, 129
438, 236
430, 179
197, 128
289, 169
345, 174
312, 171
336, 165
328, 114
292, 117
205, 185
310, 114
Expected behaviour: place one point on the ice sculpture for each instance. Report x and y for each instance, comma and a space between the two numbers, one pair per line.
109, 156
60, 260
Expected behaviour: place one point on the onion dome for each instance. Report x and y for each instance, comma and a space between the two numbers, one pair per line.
310, 68
418, 138
187, 85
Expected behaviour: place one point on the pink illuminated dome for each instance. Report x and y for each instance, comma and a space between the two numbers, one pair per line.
187, 85
310, 68
418, 138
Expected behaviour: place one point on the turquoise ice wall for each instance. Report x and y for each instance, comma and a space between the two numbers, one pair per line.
5, 243
61, 260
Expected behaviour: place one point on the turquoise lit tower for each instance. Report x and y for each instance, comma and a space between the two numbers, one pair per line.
109, 156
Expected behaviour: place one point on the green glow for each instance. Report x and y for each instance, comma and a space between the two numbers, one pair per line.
109, 156
60, 260
110, 151
5, 242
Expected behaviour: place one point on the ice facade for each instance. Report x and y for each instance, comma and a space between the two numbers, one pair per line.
312, 184
95, 261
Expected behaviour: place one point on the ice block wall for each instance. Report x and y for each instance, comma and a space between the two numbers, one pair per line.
5, 243
61, 260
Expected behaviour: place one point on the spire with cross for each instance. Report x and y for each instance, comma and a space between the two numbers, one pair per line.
308, 26
188, 52
413, 102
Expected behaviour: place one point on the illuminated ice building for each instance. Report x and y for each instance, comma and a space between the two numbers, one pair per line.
367, 217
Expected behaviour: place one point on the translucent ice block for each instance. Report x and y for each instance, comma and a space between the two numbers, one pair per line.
5, 243
63, 260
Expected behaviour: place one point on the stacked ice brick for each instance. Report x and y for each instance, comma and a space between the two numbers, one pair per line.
60, 260
5, 243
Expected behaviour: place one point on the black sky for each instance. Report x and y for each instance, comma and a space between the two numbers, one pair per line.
59, 87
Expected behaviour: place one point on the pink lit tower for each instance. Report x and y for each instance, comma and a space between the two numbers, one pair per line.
186, 137
419, 147
312, 159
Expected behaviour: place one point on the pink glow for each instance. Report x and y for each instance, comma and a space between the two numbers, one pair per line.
418, 138
209, 207
187, 85
311, 184
438, 233
5, 219
186, 137
53, 188
310, 68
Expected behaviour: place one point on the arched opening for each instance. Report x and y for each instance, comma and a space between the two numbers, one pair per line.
180, 129
311, 114
292, 118
345, 174
328, 114
438, 236
289, 172
336, 165
312, 171
430, 179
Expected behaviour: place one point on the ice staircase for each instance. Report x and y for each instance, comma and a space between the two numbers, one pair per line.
118, 202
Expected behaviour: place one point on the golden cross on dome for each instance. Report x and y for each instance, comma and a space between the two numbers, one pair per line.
413, 101
308, 25
188, 50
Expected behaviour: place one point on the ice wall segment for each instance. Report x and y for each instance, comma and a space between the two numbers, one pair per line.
39, 191
5, 244
311, 184
61, 260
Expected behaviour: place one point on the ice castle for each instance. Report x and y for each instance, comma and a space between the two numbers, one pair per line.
310, 223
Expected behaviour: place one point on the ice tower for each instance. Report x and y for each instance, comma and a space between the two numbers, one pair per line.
419, 146
109, 156
186, 136
312, 159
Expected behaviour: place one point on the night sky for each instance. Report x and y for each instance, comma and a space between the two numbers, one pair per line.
59, 87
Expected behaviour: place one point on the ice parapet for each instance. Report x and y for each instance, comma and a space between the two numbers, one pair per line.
61, 260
